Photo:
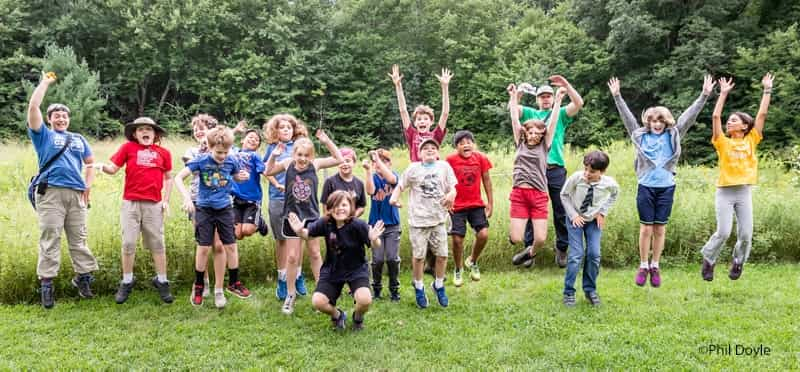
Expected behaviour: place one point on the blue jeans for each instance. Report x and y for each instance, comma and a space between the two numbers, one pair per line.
591, 265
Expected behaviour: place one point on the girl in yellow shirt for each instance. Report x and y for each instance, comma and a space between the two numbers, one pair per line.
738, 167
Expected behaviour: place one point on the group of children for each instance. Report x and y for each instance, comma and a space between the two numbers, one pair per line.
225, 198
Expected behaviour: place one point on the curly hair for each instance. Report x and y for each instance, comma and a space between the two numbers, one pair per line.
206, 119
271, 127
529, 123
658, 112
423, 110
220, 136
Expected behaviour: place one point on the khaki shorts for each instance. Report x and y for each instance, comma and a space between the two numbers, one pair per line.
143, 217
432, 238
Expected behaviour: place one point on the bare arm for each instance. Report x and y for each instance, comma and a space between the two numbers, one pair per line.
514, 111
487, 188
34, 110
369, 184
551, 126
397, 79
576, 101
444, 79
725, 87
90, 173
330, 161
274, 167
167, 187
761, 116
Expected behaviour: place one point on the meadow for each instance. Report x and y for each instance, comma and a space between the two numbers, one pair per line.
511, 319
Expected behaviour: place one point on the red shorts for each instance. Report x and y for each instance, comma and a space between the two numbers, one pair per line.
529, 203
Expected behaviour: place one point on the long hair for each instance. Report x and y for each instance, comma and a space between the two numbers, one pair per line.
747, 120
529, 123
657, 112
271, 127
334, 199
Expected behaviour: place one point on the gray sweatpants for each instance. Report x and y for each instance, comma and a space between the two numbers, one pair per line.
390, 246
730, 201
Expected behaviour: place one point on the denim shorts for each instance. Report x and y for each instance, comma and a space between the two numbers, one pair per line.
654, 204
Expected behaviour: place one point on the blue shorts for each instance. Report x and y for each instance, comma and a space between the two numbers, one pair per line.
654, 204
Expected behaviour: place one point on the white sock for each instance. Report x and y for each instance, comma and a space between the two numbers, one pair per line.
299, 272
438, 283
218, 291
644, 265
654, 265
418, 284
282, 275
127, 278
205, 281
162, 278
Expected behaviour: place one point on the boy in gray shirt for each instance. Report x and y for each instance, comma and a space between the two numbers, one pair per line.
587, 197
432, 184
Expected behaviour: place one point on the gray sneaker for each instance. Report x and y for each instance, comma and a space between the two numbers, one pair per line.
124, 291
593, 298
83, 283
48, 295
569, 300
163, 290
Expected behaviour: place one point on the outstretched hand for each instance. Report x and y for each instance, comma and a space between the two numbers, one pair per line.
726, 85
766, 81
558, 81
376, 231
395, 75
322, 136
708, 84
295, 223
444, 78
241, 127
561, 93
512, 90
48, 77
613, 86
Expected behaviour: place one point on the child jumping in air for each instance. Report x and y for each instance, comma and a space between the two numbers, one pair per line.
345, 262
533, 139
145, 201
301, 199
658, 148
738, 172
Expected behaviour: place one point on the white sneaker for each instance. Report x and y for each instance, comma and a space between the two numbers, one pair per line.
206, 289
288, 304
219, 300
457, 279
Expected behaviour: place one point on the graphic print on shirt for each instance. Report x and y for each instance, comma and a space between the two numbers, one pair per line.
146, 158
739, 150
469, 175
244, 159
213, 178
74, 145
430, 186
301, 189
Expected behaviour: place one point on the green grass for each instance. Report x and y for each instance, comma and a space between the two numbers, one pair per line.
509, 320
776, 237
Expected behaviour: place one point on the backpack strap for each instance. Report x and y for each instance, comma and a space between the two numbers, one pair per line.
52, 160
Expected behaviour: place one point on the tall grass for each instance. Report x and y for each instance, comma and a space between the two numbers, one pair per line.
776, 236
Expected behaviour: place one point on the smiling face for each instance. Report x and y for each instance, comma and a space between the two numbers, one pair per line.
423, 122
199, 131
342, 210
534, 132
145, 135
302, 155
657, 125
429, 152
285, 131
59, 120
251, 141
346, 167
465, 147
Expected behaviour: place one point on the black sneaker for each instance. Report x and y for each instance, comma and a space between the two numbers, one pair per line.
358, 324
124, 291
340, 323
263, 227
707, 271
529, 262
48, 295
163, 290
394, 295
593, 298
561, 258
569, 300
83, 283
521, 257
376, 293
736, 269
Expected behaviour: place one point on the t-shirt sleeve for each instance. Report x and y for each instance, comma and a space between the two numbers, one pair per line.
188, 155
87, 150
194, 164
318, 228
486, 164
754, 137
40, 137
327, 189
450, 178
121, 156
719, 142
566, 119
406, 175
361, 197
526, 114
363, 232
258, 164
438, 134
167, 159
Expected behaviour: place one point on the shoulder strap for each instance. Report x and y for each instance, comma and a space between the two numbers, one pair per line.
56, 156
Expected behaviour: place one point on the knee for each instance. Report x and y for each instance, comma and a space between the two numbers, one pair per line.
128, 249
363, 298
659, 231
538, 239
377, 261
483, 234
319, 301
646, 231
291, 259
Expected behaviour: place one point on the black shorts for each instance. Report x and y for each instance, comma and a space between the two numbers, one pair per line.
245, 212
208, 220
287, 231
475, 216
333, 288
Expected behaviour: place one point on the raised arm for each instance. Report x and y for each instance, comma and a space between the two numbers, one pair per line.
689, 116
34, 110
624, 112
555, 113
576, 101
274, 167
444, 79
513, 110
725, 87
369, 184
761, 116
330, 161
397, 79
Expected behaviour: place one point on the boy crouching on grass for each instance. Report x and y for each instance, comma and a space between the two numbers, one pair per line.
432, 184
147, 175
214, 213
587, 197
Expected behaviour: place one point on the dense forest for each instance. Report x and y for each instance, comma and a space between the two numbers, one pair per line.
327, 61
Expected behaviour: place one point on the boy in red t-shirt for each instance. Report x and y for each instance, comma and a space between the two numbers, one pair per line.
147, 175
423, 115
471, 167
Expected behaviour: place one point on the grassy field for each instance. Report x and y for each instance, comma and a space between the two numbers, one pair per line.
510, 320
776, 238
